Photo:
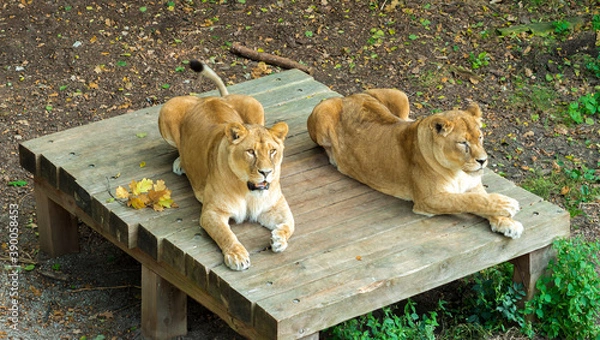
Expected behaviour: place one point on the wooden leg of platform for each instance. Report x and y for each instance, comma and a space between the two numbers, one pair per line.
529, 268
164, 308
56, 226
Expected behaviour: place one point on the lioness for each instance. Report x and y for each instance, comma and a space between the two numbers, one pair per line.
437, 162
233, 164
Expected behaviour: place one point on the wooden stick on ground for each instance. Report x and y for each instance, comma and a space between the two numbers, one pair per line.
85, 289
271, 59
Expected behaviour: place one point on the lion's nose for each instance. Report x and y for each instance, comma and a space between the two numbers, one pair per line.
482, 161
265, 172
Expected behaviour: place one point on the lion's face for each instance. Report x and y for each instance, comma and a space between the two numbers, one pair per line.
255, 153
458, 140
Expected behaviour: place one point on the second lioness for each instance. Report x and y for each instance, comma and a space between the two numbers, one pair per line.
437, 162
233, 163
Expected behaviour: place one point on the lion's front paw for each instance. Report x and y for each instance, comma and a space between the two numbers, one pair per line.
507, 226
278, 241
504, 205
177, 169
237, 257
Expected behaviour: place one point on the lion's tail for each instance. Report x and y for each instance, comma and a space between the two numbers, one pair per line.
206, 71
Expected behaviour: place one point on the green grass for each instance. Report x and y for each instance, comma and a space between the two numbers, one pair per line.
575, 182
540, 98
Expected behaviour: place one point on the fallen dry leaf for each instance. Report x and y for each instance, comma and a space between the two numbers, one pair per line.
107, 315
35, 291
146, 193
121, 192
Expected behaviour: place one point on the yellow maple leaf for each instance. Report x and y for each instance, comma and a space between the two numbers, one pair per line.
140, 187
144, 185
136, 203
160, 185
157, 207
139, 202
121, 192
155, 196
133, 187
165, 202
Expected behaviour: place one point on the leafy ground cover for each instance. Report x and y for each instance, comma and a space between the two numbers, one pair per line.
533, 66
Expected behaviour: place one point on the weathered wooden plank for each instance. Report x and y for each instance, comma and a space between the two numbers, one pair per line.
27, 159
150, 234
68, 143
429, 264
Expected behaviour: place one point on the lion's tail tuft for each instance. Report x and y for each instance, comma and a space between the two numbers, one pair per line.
202, 68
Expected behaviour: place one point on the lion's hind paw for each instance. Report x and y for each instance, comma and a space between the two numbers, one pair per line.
177, 169
507, 226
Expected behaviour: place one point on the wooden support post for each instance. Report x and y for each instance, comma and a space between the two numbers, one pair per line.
164, 308
56, 226
530, 267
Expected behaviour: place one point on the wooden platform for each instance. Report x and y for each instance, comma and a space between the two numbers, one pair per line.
355, 250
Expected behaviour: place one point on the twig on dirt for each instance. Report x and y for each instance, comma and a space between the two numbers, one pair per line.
85, 289
268, 58
127, 307
382, 6
54, 275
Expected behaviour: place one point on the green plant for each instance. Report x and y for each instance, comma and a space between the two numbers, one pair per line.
593, 65
480, 60
493, 300
586, 106
567, 304
596, 22
561, 27
408, 325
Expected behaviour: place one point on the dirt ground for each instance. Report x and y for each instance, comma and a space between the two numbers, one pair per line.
66, 63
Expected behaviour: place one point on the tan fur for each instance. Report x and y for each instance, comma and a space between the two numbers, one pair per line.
225, 150
436, 162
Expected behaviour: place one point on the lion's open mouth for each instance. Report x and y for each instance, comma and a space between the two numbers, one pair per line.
258, 186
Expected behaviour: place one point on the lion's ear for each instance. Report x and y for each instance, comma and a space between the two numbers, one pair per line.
474, 110
279, 130
441, 126
235, 132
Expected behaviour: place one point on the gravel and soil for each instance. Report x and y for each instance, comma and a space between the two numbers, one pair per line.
65, 63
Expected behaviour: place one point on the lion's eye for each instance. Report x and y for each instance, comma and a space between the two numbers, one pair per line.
250, 152
272, 152
465, 145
